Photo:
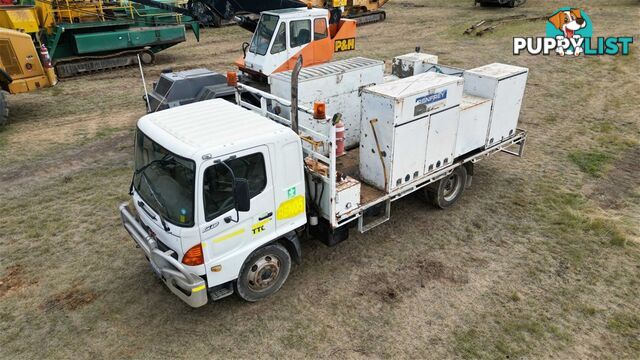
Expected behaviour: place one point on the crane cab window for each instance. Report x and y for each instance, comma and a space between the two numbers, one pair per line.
263, 34
300, 32
218, 183
280, 42
319, 29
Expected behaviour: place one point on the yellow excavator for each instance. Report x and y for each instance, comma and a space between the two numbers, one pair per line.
22, 67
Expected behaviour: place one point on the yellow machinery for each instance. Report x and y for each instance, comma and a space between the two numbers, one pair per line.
363, 11
21, 68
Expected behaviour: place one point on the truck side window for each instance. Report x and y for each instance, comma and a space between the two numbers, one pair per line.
218, 182
300, 32
280, 42
319, 29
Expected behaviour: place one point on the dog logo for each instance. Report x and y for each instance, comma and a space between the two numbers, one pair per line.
569, 31
573, 25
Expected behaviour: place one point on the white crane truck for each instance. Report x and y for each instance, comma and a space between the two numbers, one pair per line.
223, 192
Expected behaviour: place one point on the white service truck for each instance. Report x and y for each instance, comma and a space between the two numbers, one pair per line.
223, 192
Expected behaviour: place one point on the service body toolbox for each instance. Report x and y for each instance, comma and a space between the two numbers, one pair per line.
338, 84
505, 85
409, 128
473, 124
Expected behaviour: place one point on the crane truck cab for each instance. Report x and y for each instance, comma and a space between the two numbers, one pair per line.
214, 183
282, 35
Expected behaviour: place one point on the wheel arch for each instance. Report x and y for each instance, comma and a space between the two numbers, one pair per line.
291, 242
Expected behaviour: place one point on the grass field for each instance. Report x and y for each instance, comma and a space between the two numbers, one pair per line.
540, 259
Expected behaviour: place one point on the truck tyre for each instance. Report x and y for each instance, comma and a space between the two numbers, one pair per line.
446, 191
4, 110
263, 273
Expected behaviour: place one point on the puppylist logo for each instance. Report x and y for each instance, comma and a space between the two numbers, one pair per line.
570, 32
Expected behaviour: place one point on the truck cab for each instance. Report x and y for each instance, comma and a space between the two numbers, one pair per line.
213, 183
282, 35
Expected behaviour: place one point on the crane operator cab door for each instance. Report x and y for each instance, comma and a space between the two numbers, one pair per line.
281, 37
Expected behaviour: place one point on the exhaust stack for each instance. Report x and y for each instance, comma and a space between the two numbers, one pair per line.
294, 95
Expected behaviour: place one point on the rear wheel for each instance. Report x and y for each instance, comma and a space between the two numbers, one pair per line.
4, 110
263, 273
449, 189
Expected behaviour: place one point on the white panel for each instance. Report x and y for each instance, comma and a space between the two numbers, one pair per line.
371, 165
338, 85
506, 108
473, 124
419, 95
410, 146
443, 127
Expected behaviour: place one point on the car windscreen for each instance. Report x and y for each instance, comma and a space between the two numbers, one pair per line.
263, 34
165, 181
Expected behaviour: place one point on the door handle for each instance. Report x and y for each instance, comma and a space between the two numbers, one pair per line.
265, 217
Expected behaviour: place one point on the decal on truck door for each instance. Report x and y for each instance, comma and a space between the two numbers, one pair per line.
290, 208
344, 45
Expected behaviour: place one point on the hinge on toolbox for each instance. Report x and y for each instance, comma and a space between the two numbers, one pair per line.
362, 227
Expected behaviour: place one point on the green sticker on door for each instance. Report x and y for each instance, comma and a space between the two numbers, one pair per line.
291, 192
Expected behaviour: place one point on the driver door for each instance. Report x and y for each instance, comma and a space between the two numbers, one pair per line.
224, 232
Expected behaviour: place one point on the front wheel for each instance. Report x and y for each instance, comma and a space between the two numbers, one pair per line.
263, 273
449, 189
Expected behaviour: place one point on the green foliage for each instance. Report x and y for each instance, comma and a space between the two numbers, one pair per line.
590, 162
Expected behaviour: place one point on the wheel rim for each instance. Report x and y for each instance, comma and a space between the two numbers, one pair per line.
451, 187
264, 273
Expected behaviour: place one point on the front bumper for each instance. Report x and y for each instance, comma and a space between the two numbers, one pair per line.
188, 286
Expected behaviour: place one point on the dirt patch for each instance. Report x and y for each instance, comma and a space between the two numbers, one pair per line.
613, 190
392, 286
71, 299
67, 161
13, 279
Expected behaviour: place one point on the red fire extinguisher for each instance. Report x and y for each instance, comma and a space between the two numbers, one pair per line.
44, 55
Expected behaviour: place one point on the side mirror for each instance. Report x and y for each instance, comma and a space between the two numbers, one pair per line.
241, 194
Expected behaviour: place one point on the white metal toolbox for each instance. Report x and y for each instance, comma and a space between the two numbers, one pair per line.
412, 64
347, 195
505, 85
338, 85
398, 141
473, 124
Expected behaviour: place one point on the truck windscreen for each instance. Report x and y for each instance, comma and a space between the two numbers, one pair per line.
263, 34
164, 181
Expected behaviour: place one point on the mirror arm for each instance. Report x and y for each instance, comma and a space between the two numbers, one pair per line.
229, 219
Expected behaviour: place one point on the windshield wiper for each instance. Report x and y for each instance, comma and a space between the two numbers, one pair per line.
155, 197
164, 159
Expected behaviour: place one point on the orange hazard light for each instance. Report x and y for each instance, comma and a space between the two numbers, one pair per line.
319, 110
232, 78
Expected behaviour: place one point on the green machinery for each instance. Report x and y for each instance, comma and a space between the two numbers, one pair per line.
84, 36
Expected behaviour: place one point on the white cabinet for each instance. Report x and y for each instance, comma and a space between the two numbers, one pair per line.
338, 84
504, 84
407, 126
